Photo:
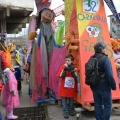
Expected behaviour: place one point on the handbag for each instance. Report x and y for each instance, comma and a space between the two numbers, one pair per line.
26, 68
3, 75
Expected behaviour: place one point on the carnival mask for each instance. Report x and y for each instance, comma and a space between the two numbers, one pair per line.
47, 15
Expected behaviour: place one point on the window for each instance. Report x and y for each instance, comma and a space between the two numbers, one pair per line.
118, 28
112, 29
112, 19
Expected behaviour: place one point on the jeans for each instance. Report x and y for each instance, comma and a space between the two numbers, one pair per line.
67, 104
102, 98
19, 86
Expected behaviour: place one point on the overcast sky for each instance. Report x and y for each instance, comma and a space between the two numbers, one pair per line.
117, 5
60, 2
61, 17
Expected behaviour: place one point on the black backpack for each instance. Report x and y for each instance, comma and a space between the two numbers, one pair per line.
92, 75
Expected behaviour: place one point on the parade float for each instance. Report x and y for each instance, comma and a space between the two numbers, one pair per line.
85, 24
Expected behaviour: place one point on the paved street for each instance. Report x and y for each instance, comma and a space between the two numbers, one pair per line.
55, 111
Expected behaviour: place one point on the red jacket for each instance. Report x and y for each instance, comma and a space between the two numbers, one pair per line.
67, 92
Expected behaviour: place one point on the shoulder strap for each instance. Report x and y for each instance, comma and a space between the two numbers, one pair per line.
100, 59
101, 62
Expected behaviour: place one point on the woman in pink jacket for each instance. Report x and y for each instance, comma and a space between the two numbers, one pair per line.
9, 94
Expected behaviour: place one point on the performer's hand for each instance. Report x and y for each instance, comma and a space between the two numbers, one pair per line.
71, 67
65, 65
66, 69
12, 70
14, 92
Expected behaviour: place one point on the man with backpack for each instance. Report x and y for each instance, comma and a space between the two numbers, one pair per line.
101, 81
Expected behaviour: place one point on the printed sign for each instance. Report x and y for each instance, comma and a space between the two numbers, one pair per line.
69, 82
92, 27
93, 7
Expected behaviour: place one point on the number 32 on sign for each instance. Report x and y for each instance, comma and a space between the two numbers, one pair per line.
91, 7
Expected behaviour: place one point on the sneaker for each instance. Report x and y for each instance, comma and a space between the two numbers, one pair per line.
72, 113
66, 116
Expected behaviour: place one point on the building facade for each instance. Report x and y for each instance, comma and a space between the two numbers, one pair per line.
114, 27
18, 41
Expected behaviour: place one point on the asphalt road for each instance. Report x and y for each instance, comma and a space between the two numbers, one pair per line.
55, 111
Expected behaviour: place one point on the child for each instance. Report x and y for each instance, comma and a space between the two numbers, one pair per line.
9, 94
68, 86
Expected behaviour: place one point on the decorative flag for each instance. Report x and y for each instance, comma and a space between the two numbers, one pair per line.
113, 9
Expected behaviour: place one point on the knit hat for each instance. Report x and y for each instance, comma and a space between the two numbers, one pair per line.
99, 46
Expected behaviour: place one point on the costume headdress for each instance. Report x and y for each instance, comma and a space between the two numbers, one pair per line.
114, 43
7, 50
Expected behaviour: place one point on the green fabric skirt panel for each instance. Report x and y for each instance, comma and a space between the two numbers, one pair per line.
59, 34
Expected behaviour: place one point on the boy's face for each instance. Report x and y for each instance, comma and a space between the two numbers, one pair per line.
68, 61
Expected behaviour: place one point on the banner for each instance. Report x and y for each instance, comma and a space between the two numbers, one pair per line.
92, 28
113, 9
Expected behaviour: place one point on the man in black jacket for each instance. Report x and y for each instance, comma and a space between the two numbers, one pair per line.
102, 92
